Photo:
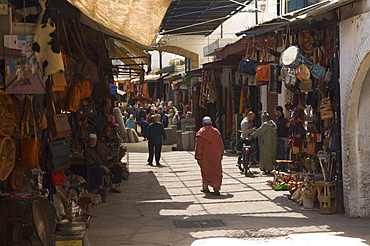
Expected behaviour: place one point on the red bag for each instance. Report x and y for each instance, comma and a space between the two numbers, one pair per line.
58, 177
262, 74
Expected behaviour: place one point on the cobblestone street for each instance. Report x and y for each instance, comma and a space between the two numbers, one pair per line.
164, 206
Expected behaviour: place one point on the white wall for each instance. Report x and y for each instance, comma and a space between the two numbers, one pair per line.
355, 91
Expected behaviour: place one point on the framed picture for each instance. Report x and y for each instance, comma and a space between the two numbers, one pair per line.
22, 71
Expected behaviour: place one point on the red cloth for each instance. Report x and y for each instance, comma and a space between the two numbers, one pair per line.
209, 150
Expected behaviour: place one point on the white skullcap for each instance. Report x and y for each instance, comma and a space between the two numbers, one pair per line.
92, 135
207, 119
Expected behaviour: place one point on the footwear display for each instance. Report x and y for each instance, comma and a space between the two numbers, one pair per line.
114, 190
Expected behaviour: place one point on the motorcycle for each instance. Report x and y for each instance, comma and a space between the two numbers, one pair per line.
246, 154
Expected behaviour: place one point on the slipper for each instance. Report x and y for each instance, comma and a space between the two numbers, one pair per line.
205, 191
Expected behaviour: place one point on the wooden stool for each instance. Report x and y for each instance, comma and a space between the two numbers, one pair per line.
327, 196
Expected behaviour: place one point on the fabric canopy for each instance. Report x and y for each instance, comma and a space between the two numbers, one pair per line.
139, 20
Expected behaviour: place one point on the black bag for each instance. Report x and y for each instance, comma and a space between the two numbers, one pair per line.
248, 66
59, 153
87, 109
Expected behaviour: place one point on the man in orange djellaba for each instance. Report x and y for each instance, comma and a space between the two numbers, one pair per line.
209, 150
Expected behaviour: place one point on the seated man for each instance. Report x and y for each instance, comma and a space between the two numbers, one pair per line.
99, 161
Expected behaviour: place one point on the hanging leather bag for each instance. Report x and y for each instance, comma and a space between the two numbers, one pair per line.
61, 126
85, 89
59, 82
59, 154
87, 109
73, 98
29, 141
262, 74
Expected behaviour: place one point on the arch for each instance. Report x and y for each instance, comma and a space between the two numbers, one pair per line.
356, 151
194, 57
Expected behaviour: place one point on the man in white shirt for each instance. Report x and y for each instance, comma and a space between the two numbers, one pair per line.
246, 125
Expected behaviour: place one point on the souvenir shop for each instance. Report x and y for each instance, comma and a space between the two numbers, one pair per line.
55, 91
298, 63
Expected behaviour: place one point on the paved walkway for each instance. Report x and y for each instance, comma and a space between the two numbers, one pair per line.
248, 212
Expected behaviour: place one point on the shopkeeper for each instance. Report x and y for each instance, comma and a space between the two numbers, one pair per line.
100, 161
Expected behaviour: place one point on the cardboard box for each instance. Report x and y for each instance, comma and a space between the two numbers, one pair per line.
75, 240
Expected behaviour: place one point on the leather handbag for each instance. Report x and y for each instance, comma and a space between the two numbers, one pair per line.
59, 154
87, 109
262, 74
41, 121
59, 82
29, 141
73, 99
61, 126
247, 66
85, 89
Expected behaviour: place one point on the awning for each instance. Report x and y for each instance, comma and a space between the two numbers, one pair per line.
137, 20
230, 62
301, 14
198, 17
120, 54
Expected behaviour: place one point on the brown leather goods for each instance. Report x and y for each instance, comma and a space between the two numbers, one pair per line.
7, 152
7, 122
262, 74
29, 141
87, 109
73, 98
85, 89
61, 125
311, 148
41, 121
59, 82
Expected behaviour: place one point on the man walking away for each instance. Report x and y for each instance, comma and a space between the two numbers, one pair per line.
155, 134
209, 150
268, 141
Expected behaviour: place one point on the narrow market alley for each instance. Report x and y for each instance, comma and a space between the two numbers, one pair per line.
164, 206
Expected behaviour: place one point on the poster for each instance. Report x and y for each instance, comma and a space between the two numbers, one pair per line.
22, 72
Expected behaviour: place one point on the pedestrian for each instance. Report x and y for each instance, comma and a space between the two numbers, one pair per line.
130, 122
144, 128
155, 134
267, 142
209, 150
246, 125
282, 133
